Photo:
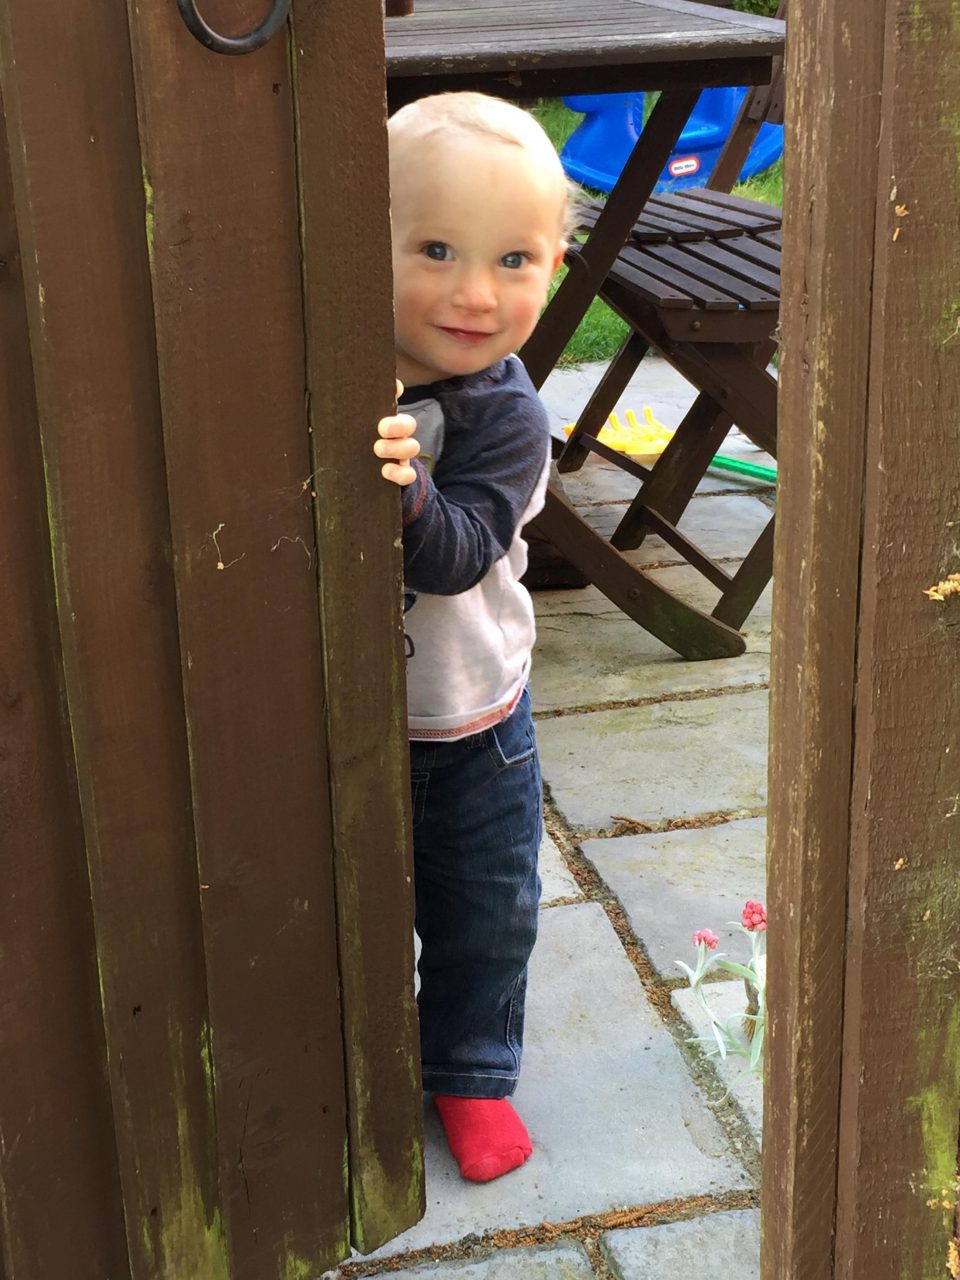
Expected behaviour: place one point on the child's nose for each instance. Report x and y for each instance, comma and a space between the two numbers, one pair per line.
475, 291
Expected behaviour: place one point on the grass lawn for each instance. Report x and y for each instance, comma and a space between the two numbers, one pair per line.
601, 332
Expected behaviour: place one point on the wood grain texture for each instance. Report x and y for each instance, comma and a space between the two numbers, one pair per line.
831, 182
220, 176
350, 359
60, 1197
570, 33
900, 1097
80, 197
863, 1099
544, 49
172, 1092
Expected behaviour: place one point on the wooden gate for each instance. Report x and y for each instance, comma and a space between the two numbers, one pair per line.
862, 1113
208, 1062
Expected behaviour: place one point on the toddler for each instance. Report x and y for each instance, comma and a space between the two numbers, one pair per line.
479, 209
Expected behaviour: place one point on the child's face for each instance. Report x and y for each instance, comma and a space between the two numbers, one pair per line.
476, 238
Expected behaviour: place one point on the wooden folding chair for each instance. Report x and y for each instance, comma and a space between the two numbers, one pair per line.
699, 282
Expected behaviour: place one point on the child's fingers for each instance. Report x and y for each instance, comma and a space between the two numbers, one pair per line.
396, 426
399, 449
398, 473
396, 443
399, 388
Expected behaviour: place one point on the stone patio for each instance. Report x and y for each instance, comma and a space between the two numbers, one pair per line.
646, 1159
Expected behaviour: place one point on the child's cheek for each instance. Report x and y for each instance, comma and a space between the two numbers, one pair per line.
528, 311
413, 296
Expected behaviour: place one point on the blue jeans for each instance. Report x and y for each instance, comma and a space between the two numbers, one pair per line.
477, 821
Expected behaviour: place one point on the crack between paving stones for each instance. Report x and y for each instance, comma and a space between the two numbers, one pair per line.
723, 1106
570, 901
584, 503
627, 826
650, 566
585, 1230
652, 700
588, 1229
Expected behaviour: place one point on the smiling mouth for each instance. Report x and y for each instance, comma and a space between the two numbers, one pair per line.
470, 337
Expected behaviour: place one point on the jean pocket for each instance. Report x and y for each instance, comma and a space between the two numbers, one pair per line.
418, 796
513, 740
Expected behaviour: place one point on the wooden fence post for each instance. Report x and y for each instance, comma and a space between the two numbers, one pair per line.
60, 1199
209, 846
862, 1113
79, 205
340, 95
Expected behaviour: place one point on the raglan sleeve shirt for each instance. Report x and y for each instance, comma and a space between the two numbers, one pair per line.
482, 476
464, 517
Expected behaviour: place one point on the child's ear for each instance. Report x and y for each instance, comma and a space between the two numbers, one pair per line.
558, 257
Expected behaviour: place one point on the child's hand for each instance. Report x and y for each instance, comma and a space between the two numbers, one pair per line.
398, 445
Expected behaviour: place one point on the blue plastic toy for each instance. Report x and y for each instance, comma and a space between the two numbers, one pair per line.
598, 149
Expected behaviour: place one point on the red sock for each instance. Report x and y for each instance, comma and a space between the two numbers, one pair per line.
486, 1136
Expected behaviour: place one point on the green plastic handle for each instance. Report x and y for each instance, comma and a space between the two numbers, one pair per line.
752, 469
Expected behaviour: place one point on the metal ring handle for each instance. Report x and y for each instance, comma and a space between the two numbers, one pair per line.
255, 39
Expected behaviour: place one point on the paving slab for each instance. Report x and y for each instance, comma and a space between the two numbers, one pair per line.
656, 762
723, 526
722, 1244
555, 880
615, 1118
688, 584
671, 883
599, 481
596, 482
728, 1000
589, 652
563, 1261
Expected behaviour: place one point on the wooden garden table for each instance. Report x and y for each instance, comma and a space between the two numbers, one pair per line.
546, 48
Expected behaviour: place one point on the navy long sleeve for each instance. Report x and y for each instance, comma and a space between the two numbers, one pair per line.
488, 459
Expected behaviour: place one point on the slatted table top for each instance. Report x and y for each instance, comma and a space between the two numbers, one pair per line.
486, 36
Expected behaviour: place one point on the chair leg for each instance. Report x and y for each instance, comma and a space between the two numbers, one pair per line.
692, 634
731, 374
547, 569
748, 582
595, 258
677, 471
600, 405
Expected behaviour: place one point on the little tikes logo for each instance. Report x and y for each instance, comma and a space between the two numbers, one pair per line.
683, 166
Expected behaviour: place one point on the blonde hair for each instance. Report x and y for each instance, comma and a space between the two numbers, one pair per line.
482, 115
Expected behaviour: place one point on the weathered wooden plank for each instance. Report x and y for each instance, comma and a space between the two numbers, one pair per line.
60, 1197
525, 82
220, 172
728, 256
831, 183
341, 116
82, 198
900, 1097
702, 274
490, 38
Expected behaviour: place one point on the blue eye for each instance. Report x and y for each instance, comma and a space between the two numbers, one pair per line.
437, 251
513, 260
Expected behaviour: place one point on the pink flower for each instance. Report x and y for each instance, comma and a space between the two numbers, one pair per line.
754, 917
707, 937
